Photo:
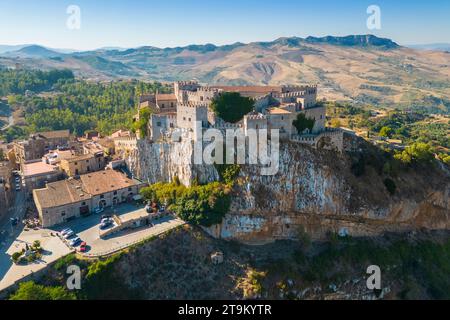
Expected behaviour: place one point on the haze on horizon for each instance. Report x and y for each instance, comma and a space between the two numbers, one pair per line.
138, 23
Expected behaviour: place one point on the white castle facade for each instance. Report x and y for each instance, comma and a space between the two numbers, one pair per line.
275, 107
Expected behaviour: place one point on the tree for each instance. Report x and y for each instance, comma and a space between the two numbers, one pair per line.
386, 132
417, 152
390, 185
336, 123
302, 123
231, 106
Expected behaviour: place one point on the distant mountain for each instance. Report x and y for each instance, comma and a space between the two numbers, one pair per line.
33, 51
431, 46
362, 68
8, 48
356, 41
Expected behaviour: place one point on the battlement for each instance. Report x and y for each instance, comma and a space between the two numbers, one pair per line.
256, 116
193, 104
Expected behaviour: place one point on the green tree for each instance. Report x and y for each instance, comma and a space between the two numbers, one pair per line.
386, 132
302, 123
417, 152
231, 106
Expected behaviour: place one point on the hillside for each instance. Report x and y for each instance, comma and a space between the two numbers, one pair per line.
365, 68
178, 266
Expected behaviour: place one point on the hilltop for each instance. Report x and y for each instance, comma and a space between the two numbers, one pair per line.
361, 68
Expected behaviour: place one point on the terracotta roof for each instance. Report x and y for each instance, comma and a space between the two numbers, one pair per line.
55, 134
80, 157
250, 89
278, 111
61, 193
68, 191
105, 181
166, 96
37, 168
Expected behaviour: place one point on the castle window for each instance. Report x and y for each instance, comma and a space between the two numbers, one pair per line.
158, 124
189, 119
162, 106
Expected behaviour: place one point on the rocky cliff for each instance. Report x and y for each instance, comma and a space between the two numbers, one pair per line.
314, 191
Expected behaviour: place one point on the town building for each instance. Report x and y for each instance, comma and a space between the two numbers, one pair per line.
35, 174
6, 186
82, 164
68, 199
38, 144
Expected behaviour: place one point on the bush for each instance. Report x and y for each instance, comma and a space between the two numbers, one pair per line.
16, 256
390, 185
417, 152
200, 204
302, 123
32, 291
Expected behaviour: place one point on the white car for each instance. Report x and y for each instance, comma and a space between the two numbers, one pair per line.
74, 241
65, 231
18, 179
69, 234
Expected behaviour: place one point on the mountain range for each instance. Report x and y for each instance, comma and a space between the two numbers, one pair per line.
362, 68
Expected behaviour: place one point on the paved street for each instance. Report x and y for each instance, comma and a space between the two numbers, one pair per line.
53, 249
8, 232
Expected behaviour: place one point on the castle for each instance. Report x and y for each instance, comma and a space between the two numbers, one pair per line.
275, 107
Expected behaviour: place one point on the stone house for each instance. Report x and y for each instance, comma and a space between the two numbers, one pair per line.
68, 199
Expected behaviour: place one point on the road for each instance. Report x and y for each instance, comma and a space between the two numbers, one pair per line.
9, 124
8, 232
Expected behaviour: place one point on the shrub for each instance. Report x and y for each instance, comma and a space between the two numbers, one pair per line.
302, 123
417, 152
16, 256
32, 291
200, 204
390, 185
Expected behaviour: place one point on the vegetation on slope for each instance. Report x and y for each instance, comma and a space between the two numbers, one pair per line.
62, 102
178, 266
204, 205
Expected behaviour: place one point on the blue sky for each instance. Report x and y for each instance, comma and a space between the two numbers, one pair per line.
165, 23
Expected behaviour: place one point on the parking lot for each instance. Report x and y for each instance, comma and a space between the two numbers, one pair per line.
88, 230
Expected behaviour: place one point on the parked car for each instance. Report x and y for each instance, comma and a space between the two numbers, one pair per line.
18, 179
106, 216
83, 247
74, 242
105, 220
105, 224
65, 231
69, 234
99, 210
18, 187
14, 221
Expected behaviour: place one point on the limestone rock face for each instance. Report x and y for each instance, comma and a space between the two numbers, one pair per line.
162, 162
314, 192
